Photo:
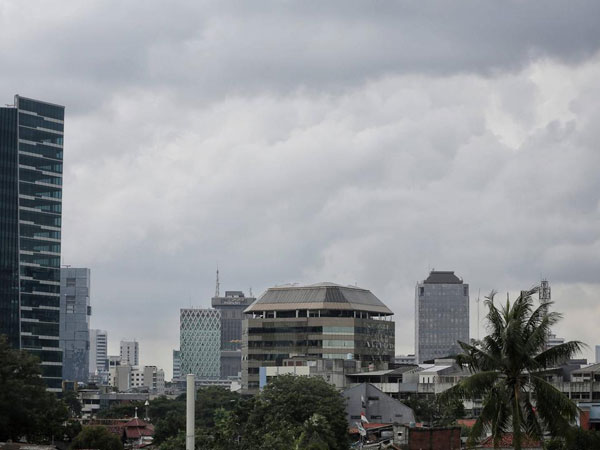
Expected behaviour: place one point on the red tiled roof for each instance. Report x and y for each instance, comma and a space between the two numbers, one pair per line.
135, 432
466, 422
507, 442
136, 422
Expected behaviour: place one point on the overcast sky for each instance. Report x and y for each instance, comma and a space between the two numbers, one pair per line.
349, 141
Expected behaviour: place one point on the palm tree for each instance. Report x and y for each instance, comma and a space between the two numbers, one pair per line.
508, 369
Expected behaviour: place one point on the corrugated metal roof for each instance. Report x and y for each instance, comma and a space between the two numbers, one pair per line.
319, 296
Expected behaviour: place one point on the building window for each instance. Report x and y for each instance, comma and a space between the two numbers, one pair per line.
71, 282
375, 417
466, 290
421, 291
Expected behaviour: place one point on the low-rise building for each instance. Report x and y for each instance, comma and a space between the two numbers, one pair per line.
365, 399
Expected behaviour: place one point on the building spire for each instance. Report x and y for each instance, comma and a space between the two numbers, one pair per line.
218, 284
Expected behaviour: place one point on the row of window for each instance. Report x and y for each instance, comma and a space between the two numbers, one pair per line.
42, 109
42, 150
27, 120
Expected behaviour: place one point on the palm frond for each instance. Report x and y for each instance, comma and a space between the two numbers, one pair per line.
559, 354
555, 409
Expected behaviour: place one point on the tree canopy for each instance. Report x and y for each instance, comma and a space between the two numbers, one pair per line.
97, 437
508, 368
26, 408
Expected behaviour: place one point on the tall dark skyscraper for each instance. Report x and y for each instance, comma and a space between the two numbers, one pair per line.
441, 316
31, 155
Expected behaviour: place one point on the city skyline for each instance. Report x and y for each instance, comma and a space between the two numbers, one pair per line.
340, 143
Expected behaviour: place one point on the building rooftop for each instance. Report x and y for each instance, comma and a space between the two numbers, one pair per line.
442, 277
319, 296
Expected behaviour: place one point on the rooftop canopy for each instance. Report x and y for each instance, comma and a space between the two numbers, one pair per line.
329, 296
442, 277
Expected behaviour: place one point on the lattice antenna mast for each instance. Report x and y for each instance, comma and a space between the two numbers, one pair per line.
545, 291
218, 285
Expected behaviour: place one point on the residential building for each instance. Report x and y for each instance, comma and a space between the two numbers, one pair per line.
441, 316
176, 366
98, 351
200, 342
378, 407
31, 165
319, 321
130, 353
231, 307
75, 311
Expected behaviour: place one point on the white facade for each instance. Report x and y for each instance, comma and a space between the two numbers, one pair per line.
127, 377
98, 350
130, 353
597, 354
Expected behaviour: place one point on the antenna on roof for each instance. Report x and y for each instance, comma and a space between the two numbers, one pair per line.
217, 285
250, 292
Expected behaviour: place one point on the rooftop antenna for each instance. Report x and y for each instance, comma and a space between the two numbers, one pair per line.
218, 284
545, 291
250, 292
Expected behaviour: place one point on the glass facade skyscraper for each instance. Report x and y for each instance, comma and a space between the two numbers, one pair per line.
75, 311
441, 316
31, 155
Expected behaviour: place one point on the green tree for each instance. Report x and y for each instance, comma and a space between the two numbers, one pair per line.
290, 411
26, 408
97, 437
508, 372
72, 401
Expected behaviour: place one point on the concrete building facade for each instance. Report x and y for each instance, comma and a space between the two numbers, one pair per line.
98, 351
31, 167
320, 321
231, 307
75, 311
130, 353
441, 316
176, 366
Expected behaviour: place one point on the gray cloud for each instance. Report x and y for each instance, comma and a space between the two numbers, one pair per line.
340, 142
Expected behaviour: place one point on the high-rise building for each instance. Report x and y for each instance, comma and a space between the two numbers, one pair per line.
232, 307
441, 316
130, 353
75, 311
324, 321
31, 159
98, 351
200, 342
176, 366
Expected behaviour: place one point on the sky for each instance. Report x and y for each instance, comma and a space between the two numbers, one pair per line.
295, 141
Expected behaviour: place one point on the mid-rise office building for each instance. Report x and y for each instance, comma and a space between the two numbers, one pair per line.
441, 316
176, 366
31, 165
98, 351
320, 321
231, 307
200, 342
75, 311
130, 353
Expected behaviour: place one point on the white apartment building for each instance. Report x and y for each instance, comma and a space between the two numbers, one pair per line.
130, 353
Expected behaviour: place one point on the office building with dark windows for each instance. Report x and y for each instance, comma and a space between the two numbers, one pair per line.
31, 155
75, 311
232, 307
441, 316
324, 321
